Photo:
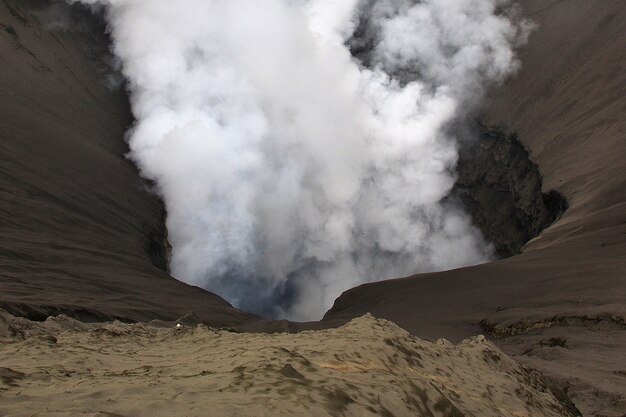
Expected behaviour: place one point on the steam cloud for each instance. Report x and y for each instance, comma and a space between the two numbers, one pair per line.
301, 146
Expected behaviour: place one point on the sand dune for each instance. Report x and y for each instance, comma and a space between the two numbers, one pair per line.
369, 367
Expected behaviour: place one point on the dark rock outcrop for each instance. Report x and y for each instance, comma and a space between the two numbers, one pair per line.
502, 190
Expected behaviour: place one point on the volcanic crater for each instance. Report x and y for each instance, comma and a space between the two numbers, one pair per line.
541, 172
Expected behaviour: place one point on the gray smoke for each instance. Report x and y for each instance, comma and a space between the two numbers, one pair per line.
301, 146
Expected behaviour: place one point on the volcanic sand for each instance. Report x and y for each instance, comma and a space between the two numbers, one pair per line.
369, 367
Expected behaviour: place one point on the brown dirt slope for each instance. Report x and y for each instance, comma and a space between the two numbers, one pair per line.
77, 225
560, 305
369, 367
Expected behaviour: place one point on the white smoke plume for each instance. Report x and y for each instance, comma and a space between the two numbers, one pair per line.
301, 146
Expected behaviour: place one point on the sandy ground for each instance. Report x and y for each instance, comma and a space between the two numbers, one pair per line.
369, 367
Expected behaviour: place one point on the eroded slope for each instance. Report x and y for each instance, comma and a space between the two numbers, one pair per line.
80, 232
369, 367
